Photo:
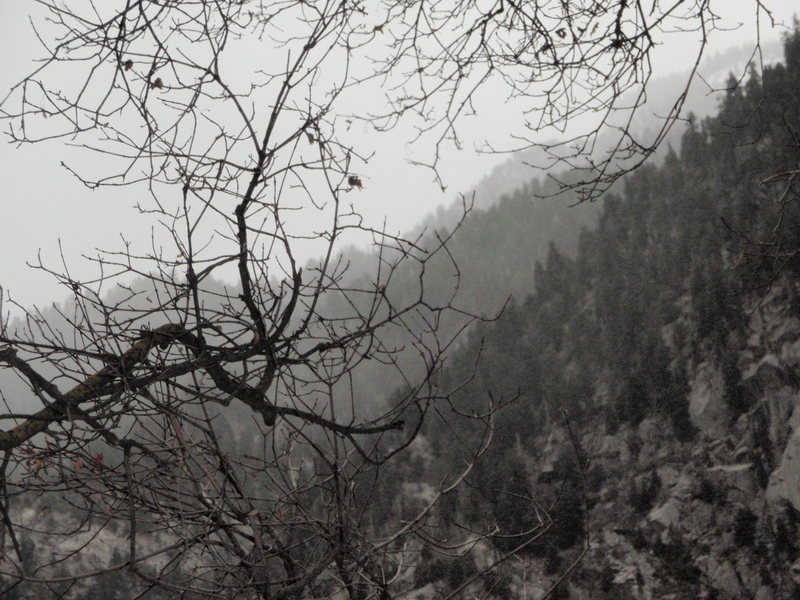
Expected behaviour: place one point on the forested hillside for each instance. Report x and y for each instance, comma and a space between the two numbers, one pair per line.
654, 379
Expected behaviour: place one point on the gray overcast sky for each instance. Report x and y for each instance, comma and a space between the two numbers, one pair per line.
42, 205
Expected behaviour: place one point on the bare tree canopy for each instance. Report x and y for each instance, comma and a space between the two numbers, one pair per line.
234, 119
245, 86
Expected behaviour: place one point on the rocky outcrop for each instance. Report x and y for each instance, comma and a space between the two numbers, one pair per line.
723, 520
784, 482
707, 407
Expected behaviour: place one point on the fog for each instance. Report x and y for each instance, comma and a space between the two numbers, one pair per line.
49, 215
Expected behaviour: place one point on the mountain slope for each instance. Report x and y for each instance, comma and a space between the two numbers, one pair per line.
668, 350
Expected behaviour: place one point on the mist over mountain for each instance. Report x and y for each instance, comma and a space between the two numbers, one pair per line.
654, 379
649, 354
703, 99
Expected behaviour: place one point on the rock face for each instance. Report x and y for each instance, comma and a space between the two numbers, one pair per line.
784, 482
707, 407
738, 476
716, 516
